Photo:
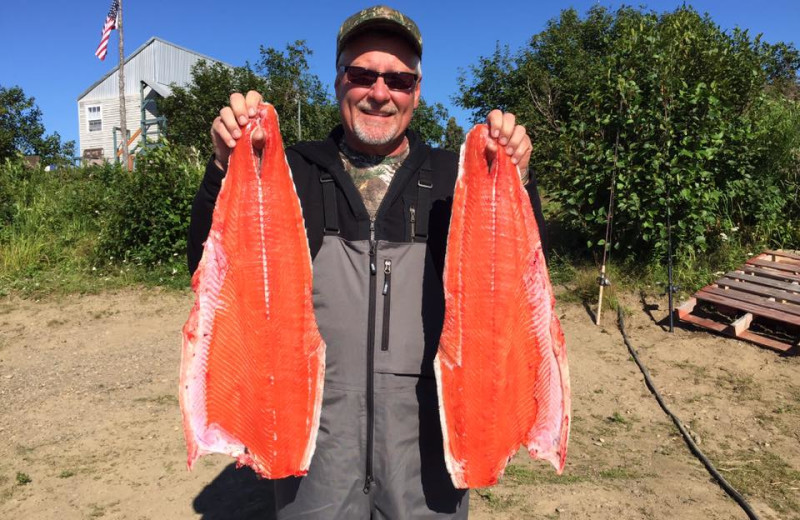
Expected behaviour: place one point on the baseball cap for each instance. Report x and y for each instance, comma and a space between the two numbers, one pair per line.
379, 17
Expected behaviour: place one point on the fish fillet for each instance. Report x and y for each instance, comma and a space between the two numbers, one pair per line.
253, 360
501, 367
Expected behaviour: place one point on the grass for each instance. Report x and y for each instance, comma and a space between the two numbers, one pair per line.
523, 475
767, 476
606, 427
52, 229
577, 268
54, 281
618, 473
67, 473
742, 386
699, 373
617, 418
495, 501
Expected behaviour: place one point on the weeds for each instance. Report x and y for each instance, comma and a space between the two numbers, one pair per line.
697, 372
495, 501
743, 386
768, 477
618, 473
96, 511
616, 418
522, 475
23, 479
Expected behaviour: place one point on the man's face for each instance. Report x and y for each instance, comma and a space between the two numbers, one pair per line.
375, 118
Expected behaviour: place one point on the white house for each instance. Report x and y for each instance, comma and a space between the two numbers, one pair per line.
149, 72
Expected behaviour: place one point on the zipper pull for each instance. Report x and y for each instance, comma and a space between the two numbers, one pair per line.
367, 484
387, 271
413, 211
373, 269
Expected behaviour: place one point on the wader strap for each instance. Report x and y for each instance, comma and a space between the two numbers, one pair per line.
329, 204
424, 188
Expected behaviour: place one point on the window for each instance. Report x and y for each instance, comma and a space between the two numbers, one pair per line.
94, 118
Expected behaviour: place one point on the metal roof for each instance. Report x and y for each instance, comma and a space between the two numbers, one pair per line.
156, 86
160, 88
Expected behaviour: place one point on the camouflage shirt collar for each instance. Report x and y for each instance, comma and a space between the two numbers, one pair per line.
361, 160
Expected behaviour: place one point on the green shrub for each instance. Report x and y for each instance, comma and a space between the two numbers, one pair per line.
148, 222
680, 114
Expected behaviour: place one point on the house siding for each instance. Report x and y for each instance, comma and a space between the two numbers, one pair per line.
157, 61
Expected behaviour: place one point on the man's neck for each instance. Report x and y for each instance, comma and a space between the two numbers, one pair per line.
390, 149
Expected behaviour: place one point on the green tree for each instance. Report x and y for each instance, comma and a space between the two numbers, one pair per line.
190, 110
677, 112
293, 90
282, 78
453, 136
21, 129
428, 122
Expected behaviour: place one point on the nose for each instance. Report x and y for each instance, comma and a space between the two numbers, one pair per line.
379, 91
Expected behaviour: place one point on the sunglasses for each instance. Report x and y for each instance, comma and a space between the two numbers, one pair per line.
366, 78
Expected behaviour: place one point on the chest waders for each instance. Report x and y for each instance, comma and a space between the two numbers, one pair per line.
379, 306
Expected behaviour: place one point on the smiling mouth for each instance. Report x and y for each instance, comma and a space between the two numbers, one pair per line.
377, 113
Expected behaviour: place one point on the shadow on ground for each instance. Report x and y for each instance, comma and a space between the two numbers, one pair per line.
236, 494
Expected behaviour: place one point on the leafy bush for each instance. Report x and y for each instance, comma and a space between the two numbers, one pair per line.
681, 115
149, 220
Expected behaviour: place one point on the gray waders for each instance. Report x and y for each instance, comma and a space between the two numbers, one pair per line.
379, 306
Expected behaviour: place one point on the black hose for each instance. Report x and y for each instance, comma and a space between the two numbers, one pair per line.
686, 436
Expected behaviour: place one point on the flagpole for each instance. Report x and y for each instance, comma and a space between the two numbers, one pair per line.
123, 123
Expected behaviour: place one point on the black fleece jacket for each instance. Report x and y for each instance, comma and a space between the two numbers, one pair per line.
392, 222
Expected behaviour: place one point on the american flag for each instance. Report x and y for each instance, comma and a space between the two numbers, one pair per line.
110, 25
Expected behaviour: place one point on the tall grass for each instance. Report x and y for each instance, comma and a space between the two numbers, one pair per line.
67, 230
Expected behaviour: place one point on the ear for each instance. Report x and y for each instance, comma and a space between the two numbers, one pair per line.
417, 91
337, 83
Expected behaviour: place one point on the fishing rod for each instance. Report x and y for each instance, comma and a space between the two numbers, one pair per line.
603, 280
671, 287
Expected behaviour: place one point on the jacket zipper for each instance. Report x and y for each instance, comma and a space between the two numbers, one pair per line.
373, 272
413, 211
387, 294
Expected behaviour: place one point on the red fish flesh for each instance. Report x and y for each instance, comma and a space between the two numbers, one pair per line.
253, 360
501, 367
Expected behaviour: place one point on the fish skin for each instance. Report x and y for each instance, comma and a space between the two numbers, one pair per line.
252, 335
501, 367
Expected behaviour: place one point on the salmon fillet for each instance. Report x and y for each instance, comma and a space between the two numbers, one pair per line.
501, 367
253, 360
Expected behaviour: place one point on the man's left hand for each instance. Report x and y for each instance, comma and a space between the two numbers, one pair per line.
510, 138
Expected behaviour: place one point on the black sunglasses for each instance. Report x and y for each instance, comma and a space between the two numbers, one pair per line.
366, 78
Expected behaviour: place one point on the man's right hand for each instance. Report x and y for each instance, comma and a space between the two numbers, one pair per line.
227, 127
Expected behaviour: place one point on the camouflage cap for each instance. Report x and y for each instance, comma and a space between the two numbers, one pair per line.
379, 17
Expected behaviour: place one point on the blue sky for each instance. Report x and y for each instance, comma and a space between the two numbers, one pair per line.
48, 46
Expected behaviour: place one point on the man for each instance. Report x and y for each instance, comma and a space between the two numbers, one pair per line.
376, 203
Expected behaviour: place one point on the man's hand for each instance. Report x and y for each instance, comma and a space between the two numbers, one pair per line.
227, 127
511, 137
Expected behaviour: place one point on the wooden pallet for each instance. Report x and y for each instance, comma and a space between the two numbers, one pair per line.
766, 288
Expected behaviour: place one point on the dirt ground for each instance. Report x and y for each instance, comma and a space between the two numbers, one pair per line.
91, 428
